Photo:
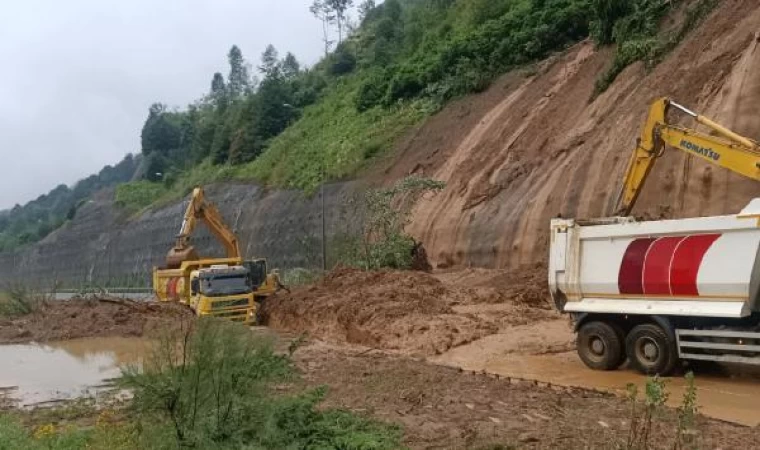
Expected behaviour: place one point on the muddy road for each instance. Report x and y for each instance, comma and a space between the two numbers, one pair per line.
467, 359
488, 321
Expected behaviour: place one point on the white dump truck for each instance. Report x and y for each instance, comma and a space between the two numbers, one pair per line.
656, 292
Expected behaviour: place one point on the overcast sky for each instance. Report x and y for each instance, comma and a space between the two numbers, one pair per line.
78, 76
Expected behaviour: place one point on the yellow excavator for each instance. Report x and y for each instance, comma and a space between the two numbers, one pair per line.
721, 147
224, 287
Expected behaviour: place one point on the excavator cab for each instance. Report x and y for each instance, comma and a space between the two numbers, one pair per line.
257, 269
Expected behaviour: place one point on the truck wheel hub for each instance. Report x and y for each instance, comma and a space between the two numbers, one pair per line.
649, 350
597, 346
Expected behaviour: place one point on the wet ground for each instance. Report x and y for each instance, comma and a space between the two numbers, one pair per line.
35, 374
543, 352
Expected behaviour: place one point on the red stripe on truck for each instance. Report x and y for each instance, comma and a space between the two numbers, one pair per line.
656, 274
687, 259
664, 266
630, 280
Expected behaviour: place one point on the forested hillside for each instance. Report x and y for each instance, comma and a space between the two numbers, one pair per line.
280, 123
36, 219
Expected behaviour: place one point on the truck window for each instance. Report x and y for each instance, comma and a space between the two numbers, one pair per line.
218, 285
195, 286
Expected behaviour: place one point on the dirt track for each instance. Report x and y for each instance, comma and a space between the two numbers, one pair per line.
445, 408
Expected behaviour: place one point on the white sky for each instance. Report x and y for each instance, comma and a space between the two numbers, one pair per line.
77, 76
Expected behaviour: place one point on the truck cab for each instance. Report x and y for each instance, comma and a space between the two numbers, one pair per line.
223, 291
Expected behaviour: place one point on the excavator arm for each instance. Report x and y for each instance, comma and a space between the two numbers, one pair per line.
722, 147
200, 209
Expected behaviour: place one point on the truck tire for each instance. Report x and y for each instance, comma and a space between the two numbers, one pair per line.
599, 346
621, 337
651, 350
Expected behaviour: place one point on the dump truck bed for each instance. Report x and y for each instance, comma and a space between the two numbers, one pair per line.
702, 267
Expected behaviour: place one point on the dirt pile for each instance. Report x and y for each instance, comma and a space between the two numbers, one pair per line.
527, 286
410, 312
538, 145
61, 320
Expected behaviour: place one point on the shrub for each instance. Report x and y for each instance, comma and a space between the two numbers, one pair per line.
381, 240
136, 195
208, 386
18, 300
635, 30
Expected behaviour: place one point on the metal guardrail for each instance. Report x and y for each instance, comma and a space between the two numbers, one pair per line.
128, 293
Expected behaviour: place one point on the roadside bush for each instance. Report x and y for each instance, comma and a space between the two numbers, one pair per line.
18, 300
209, 386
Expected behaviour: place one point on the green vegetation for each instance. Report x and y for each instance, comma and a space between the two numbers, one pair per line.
644, 413
381, 240
137, 195
36, 219
18, 300
209, 386
296, 127
635, 28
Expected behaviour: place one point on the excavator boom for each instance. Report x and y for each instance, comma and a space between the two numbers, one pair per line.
199, 208
722, 147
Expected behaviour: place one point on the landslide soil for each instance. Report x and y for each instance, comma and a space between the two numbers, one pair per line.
537, 145
413, 313
446, 408
96, 317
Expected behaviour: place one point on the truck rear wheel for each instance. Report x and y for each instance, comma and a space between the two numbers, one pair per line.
599, 346
651, 350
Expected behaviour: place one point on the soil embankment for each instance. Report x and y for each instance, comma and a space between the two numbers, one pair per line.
408, 312
81, 318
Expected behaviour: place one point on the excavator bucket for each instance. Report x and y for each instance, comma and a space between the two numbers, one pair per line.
178, 255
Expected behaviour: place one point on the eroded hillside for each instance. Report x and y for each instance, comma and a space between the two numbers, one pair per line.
534, 147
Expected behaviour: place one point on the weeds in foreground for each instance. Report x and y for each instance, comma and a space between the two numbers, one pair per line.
643, 415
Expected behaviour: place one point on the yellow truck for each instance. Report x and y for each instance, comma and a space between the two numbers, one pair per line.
228, 288
223, 287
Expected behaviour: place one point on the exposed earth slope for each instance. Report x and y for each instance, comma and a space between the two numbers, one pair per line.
535, 147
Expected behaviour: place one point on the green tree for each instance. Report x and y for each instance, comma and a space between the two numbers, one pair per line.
322, 11
607, 13
238, 79
365, 7
270, 62
290, 66
218, 89
159, 134
339, 9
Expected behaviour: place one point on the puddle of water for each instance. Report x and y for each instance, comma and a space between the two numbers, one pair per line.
38, 373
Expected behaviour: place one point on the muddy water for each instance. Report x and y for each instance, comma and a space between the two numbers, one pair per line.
33, 374
726, 393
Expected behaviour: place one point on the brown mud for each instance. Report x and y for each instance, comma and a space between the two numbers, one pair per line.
408, 312
445, 408
79, 318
